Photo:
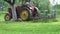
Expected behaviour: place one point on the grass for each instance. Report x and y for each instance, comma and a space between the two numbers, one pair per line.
29, 27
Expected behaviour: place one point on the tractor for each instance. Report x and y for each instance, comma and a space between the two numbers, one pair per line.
24, 12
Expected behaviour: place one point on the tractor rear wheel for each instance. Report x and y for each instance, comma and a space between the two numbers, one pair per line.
25, 14
7, 17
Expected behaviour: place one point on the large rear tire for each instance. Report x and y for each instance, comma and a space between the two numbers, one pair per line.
25, 14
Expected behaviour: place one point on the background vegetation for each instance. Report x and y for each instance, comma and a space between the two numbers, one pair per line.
30, 27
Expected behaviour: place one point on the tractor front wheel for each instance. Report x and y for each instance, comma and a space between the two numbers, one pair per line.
7, 17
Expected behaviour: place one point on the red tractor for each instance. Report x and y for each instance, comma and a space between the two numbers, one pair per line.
24, 12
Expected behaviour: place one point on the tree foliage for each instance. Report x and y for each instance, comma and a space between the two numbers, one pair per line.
41, 4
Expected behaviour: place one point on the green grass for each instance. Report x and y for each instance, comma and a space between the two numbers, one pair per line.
29, 27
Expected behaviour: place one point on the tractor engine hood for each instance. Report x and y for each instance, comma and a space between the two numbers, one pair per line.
11, 2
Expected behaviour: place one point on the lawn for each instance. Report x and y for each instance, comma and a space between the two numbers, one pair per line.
29, 27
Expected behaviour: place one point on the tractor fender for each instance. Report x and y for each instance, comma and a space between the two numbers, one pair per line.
36, 8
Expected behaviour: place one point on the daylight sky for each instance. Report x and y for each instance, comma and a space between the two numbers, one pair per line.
54, 2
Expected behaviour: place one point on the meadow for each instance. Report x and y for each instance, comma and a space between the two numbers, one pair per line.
29, 27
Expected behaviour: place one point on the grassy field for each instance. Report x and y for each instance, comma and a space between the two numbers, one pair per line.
29, 27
